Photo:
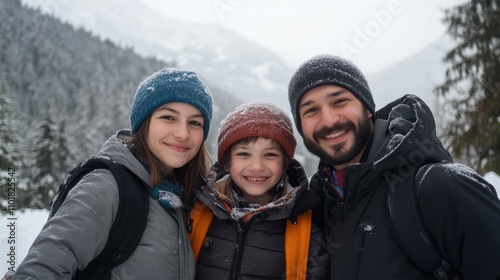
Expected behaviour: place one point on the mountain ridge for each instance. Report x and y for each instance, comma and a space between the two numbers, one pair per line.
232, 63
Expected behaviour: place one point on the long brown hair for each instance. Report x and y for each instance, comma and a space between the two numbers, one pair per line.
187, 176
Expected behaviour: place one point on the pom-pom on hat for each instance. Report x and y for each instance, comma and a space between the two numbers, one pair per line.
260, 119
171, 85
327, 70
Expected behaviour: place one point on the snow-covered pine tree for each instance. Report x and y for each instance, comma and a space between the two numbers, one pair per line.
50, 164
472, 86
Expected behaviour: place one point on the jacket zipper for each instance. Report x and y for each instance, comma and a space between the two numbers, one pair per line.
240, 246
339, 200
179, 225
360, 255
339, 210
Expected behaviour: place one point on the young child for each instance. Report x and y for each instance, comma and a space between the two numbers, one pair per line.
170, 120
242, 225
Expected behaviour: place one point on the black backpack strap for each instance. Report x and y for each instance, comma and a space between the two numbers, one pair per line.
410, 231
130, 220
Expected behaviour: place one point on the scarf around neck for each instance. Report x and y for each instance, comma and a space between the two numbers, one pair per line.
168, 194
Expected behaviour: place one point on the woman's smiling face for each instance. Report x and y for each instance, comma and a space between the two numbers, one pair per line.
175, 133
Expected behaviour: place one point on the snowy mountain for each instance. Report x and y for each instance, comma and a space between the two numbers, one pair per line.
418, 74
228, 61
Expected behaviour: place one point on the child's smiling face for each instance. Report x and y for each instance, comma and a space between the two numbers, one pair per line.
256, 167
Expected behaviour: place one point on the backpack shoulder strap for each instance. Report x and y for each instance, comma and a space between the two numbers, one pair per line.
74, 176
199, 221
409, 229
130, 220
297, 238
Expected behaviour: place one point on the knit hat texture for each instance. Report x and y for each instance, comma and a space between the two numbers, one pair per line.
171, 85
327, 70
256, 118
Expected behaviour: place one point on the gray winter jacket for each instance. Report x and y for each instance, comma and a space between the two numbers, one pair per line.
79, 230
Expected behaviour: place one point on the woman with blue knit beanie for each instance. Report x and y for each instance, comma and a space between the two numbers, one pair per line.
170, 120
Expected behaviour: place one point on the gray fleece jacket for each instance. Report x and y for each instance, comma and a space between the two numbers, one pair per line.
79, 230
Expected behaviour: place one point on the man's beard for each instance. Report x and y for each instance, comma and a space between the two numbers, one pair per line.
337, 155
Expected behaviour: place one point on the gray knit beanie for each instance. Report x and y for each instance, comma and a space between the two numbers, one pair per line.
327, 70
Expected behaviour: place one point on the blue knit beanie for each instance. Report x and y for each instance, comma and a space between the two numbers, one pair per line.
327, 69
171, 85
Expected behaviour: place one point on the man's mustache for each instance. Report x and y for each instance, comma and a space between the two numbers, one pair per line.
329, 130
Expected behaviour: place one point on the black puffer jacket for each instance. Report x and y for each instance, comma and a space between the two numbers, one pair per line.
234, 249
461, 215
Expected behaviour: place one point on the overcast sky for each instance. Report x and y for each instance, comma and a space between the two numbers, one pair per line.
374, 34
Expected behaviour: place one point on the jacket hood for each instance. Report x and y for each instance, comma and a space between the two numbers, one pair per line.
215, 194
405, 135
